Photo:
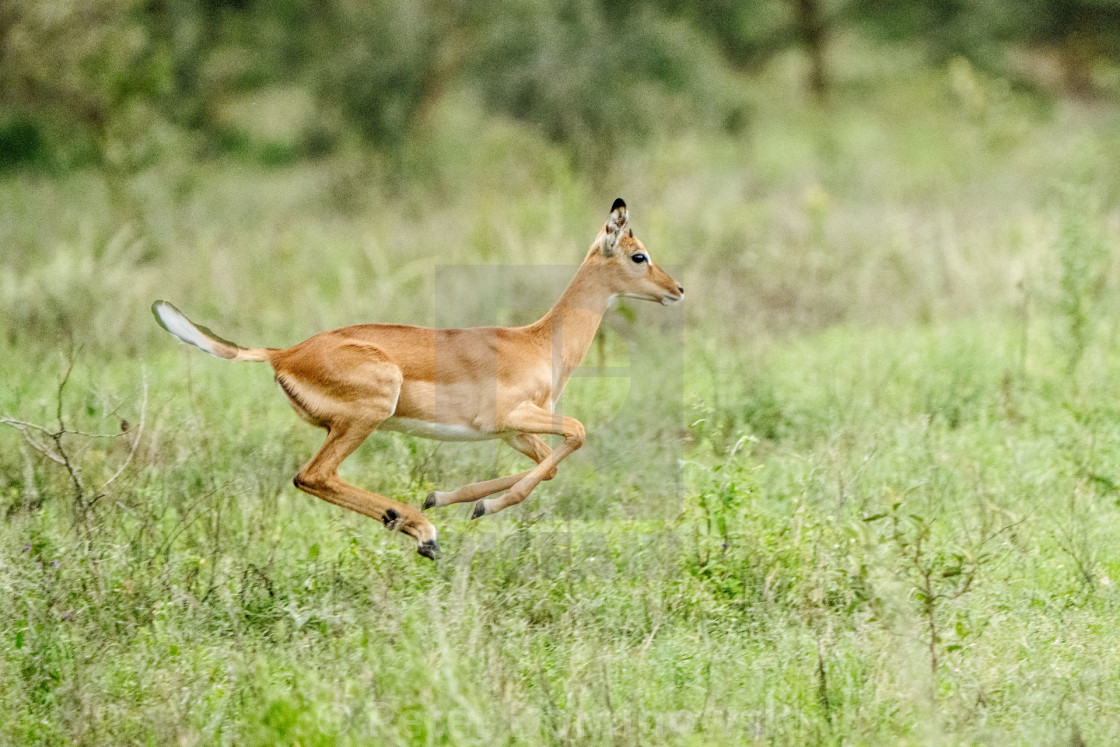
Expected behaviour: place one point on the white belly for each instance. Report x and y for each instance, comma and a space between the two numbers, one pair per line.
438, 431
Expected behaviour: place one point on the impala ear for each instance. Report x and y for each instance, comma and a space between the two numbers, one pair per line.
617, 222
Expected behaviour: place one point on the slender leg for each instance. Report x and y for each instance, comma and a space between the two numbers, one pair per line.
472, 492
533, 447
532, 419
528, 444
319, 477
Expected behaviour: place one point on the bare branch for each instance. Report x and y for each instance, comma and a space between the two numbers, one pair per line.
138, 430
51, 443
22, 424
42, 448
61, 388
75, 476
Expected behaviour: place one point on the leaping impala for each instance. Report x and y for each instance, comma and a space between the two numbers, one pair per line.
469, 384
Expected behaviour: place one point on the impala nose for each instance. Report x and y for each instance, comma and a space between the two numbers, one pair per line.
680, 289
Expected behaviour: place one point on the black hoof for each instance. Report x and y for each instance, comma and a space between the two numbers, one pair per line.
429, 549
479, 510
429, 502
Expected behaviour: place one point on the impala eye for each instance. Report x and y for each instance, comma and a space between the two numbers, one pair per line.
639, 258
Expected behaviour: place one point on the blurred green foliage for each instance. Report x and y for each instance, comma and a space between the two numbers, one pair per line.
118, 82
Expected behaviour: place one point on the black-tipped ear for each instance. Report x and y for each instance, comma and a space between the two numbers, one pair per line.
616, 224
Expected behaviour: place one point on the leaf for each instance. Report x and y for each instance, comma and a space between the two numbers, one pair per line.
875, 517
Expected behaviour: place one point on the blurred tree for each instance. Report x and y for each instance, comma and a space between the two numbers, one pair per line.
1077, 32
78, 73
592, 77
749, 33
187, 31
383, 62
942, 28
374, 65
812, 30
218, 50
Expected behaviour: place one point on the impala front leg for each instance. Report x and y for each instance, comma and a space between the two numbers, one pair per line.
528, 444
530, 419
472, 492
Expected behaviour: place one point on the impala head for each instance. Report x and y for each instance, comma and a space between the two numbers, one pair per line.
626, 265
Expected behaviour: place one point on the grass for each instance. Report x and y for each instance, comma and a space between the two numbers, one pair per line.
883, 439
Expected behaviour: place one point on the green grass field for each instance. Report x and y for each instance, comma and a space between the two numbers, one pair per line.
862, 487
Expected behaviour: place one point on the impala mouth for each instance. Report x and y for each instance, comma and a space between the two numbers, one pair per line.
670, 300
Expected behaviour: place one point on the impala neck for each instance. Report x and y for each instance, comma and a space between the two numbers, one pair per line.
571, 324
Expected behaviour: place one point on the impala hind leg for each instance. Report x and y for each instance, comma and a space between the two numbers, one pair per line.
532, 419
528, 444
319, 477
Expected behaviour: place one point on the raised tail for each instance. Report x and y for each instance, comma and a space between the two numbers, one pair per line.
181, 328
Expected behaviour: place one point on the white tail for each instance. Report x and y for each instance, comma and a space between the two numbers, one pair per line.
183, 329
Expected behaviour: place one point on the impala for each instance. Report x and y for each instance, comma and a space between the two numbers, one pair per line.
468, 384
